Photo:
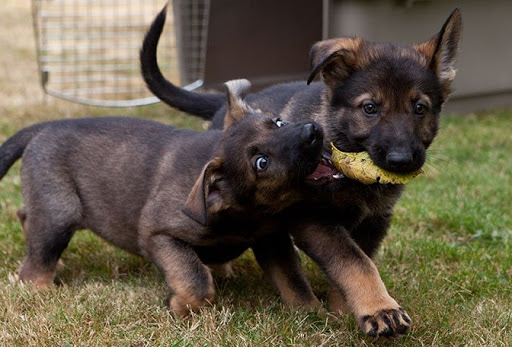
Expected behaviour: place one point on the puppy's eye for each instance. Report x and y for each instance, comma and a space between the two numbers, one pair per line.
279, 122
261, 163
420, 109
370, 109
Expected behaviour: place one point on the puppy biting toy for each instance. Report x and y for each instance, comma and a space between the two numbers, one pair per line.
359, 166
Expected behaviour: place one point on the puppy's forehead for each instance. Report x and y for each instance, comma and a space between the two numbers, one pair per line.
391, 72
372, 52
257, 123
251, 127
391, 62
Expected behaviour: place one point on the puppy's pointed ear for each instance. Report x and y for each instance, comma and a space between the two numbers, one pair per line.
441, 50
206, 197
335, 58
236, 90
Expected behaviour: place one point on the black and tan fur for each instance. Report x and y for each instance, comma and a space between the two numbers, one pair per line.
177, 197
383, 98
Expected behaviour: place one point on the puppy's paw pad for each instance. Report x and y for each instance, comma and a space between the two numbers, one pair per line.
386, 323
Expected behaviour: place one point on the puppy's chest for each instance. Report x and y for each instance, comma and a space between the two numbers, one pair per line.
227, 240
233, 231
348, 205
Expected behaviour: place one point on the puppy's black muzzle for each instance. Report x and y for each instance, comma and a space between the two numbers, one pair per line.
306, 154
311, 135
400, 160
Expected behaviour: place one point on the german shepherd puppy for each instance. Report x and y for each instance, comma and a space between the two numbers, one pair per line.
177, 197
382, 98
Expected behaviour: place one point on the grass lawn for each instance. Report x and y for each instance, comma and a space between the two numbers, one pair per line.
447, 259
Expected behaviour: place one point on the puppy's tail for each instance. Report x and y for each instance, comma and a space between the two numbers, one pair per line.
203, 105
13, 148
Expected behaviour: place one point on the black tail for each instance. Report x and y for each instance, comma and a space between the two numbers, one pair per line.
203, 105
13, 148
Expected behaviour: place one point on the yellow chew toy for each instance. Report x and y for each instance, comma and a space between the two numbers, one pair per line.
360, 167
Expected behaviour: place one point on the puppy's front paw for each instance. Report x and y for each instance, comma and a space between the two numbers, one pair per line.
386, 323
183, 305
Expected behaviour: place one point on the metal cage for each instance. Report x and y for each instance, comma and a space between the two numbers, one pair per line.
88, 50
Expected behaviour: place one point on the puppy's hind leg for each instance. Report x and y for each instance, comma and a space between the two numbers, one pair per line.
189, 279
279, 260
49, 218
45, 244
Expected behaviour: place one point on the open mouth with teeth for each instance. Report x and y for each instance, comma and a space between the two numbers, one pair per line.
325, 172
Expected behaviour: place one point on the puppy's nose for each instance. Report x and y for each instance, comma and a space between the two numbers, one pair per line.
399, 159
309, 134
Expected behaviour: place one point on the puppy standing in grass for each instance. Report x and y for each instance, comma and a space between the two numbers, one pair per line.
180, 198
380, 98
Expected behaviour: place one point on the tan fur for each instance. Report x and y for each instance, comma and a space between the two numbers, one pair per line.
224, 270
334, 58
365, 292
355, 282
288, 292
337, 301
40, 278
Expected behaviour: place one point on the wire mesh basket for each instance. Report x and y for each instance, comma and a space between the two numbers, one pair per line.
88, 50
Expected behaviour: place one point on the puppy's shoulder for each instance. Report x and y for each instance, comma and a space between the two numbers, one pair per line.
308, 102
